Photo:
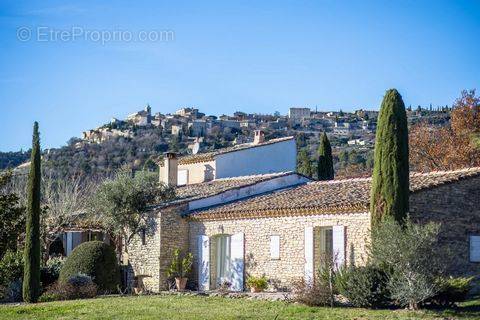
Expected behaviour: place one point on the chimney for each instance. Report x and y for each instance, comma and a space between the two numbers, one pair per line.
259, 137
169, 171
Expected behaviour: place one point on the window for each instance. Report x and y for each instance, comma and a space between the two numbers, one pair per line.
143, 236
326, 246
275, 247
223, 258
474, 248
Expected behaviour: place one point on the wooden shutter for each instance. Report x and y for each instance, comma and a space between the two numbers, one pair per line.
308, 254
338, 246
203, 263
237, 254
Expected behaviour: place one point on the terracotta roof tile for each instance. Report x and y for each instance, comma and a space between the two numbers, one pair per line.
214, 187
337, 196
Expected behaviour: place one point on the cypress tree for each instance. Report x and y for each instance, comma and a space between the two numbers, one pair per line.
325, 161
390, 183
31, 269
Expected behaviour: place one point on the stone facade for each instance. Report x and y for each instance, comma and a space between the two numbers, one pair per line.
291, 264
456, 206
150, 258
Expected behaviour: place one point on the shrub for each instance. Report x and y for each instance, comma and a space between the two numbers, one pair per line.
260, 283
49, 296
312, 293
13, 292
181, 265
50, 273
79, 286
414, 256
11, 269
452, 290
95, 259
364, 286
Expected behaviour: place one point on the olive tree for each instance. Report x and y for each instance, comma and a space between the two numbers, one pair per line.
413, 257
123, 203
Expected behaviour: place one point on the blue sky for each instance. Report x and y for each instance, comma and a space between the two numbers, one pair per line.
225, 56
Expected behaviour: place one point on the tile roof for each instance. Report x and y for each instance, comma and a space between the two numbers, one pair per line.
322, 197
209, 156
214, 187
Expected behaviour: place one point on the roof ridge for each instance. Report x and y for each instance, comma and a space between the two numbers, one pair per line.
426, 173
266, 175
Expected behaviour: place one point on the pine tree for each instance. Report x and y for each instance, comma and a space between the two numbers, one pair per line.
325, 161
390, 184
31, 269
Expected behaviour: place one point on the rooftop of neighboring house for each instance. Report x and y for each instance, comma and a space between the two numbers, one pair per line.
210, 156
215, 187
324, 197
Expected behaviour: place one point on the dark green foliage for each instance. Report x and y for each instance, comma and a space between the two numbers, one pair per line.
31, 275
304, 164
12, 159
452, 290
325, 160
11, 269
390, 185
95, 259
51, 271
364, 286
12, 218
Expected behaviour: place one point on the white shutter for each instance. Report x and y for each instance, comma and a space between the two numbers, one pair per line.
237, 254
339, 246
203, 263
275, 247
308, 254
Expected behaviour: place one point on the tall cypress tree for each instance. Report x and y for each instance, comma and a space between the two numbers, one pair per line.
325, 161
390, 184
31, 269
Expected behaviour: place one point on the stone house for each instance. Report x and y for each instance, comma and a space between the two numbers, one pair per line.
284, 226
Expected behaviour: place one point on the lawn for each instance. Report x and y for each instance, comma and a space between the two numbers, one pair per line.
198, 307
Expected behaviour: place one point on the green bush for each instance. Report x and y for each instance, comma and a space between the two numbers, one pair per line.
414, 256
51, 271
50, 296
452, 290
79, 286
364, 286
95, 259
11, 270
260, 283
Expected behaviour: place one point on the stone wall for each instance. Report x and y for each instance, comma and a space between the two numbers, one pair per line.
174, 235
291, 230
143, 258
456, 206
166, 231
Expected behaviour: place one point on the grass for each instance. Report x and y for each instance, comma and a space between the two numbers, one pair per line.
198, 307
